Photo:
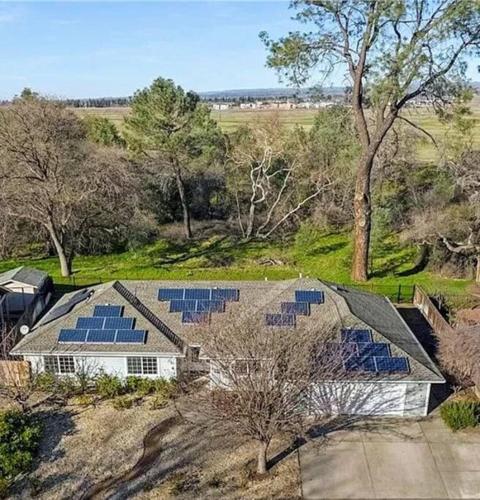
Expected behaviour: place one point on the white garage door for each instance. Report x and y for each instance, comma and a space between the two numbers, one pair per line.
358, 399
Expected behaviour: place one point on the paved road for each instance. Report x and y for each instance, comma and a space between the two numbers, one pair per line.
393, 460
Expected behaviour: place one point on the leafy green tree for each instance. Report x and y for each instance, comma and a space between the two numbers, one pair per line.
103, 131
173, 130
393, 51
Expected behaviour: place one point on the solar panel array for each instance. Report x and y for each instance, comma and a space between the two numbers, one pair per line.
300, 307
197, 304
106, 326
361, 354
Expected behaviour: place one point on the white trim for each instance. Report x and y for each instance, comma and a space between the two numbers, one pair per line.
100, 353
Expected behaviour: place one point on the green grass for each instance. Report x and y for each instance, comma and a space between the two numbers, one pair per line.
326, 256
230, 120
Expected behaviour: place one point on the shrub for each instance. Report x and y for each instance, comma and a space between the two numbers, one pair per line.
158, 402
108, 386
83, 400
460, 414
123, 402
20, 435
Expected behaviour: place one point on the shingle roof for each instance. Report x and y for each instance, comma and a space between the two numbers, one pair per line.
346, 308
26, 275
44, 336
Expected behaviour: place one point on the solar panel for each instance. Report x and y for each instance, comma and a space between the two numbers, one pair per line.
195, 317
101, 336
130, 336
302, 308
373, 349
360, 364
226, 294
108, 311
166, 294
60, 311
197, 293
388, 364
72, 335
118, 323
210, 306
356, 335
183, 305
279, 319
311, 296
90, 323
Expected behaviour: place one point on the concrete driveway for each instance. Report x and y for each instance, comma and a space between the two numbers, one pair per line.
393, 459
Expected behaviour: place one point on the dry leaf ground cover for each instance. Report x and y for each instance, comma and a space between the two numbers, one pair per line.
84, 446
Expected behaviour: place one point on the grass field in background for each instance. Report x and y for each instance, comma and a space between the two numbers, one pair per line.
229, 120
327, 257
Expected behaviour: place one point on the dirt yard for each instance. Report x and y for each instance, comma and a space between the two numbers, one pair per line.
98, 452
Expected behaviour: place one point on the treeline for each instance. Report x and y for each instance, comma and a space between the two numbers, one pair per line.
73, 186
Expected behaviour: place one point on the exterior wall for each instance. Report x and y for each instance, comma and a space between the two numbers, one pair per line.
417, 398
113, 365
371, 398
368, 398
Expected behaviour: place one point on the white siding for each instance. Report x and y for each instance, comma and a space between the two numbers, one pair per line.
114, 365
371, 398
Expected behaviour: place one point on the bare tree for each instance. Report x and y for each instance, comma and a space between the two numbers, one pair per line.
459, 354
270, 380
270, 177
393, 52
52, 177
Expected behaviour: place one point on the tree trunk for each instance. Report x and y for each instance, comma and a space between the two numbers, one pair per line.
183, 200
250, 222
65, 262
262, 458
477, 274
362, 207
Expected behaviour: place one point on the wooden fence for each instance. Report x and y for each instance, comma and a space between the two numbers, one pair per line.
439, 324
14, 373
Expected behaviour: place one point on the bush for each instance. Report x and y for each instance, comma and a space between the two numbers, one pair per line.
461, 414
123, 402
83, 400
146, 386
19, 439
109, 386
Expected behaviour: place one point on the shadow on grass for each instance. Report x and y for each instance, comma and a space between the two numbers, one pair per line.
325, 249
219, 252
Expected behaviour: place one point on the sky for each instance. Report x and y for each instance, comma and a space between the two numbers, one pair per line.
92, 49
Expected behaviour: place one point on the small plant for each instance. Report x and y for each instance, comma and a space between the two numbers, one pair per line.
124, 402
108, 386
461, 414
84, 400
183, 482
20, 435
158, 402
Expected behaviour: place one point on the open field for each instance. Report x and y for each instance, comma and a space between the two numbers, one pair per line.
327, 257
231, 119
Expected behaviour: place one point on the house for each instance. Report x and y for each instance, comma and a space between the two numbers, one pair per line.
149, 328
23, 288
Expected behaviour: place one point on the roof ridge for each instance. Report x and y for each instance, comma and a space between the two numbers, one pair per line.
151, 317
392, 307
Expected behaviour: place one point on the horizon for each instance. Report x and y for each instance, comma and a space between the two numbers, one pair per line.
113, 49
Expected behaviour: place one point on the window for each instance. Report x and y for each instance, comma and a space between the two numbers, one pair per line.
59, 365
50, 364
142, 366
194, 353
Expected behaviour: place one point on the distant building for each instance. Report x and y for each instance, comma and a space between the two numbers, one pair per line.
220, 106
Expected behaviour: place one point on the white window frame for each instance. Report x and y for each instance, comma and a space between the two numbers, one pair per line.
60, 363
148, 365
